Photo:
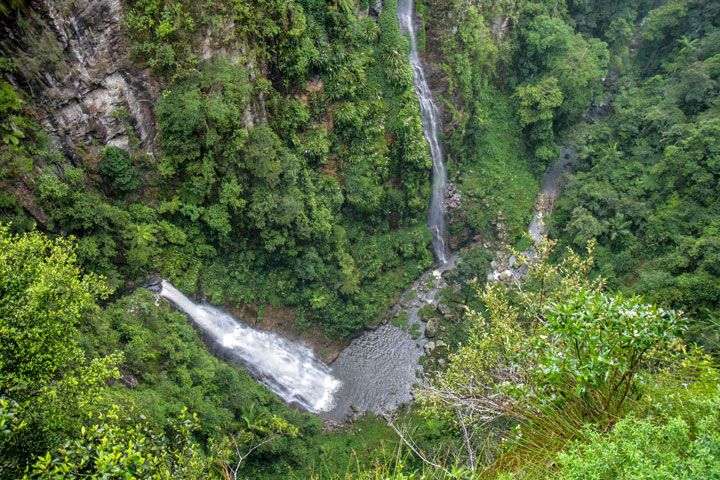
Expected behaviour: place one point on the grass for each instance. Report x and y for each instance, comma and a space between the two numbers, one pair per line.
415, 330
348, 451
401, 321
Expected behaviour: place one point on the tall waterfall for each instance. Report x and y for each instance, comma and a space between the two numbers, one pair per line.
431, 127
289, 369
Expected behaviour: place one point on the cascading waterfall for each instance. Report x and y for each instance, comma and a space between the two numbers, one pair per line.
289, 369
431, 127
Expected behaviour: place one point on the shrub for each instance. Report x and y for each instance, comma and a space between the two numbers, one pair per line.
643, 449
119, 171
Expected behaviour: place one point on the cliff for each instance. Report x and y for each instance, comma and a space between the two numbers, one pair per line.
72, 57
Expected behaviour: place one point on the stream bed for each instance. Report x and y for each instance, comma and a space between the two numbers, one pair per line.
375, 373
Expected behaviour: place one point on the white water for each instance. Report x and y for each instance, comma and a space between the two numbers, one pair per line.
431, 128
289, 369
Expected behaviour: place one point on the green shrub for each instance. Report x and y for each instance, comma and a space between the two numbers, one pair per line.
119, 171
644, 449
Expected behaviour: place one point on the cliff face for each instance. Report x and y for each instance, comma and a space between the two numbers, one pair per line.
73, 58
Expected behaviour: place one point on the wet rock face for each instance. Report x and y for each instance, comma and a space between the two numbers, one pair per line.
91, 92
376, 9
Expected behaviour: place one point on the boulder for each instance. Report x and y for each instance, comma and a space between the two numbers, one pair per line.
429, 347
432, 327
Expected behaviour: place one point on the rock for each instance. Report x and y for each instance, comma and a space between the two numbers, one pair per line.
354, 408
444, 309
432, 327
456, 289
92, 94
429, 347
375, 11
442, 363
439, 344
449, 317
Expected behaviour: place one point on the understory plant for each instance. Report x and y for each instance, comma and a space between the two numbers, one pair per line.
551, 353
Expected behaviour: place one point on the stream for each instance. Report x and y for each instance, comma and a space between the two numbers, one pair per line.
544, 205
374, 373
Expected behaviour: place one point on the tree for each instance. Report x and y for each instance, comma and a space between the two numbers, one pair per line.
43, 295
119, 170
119, 447
261, 430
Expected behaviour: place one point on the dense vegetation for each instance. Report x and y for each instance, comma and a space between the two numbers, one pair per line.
304, 187
520, 77
647, 182
290, 170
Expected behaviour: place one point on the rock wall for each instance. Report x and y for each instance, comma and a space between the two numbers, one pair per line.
73, 58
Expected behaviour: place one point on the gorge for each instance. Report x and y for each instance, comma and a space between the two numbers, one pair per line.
333, 192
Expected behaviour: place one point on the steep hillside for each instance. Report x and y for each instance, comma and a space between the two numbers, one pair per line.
259, 154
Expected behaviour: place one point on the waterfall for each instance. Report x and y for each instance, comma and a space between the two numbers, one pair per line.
431, 127
289, 369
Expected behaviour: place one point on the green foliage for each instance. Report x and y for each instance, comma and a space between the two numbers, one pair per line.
9, 104
42, 369
44, 297
495, 172
641, 448
559, 75
119, 170
272, 191
293, 172
599, 342
549, 356
668, 24
646, 186
169, 367
162, 34
120, 447
18, 131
